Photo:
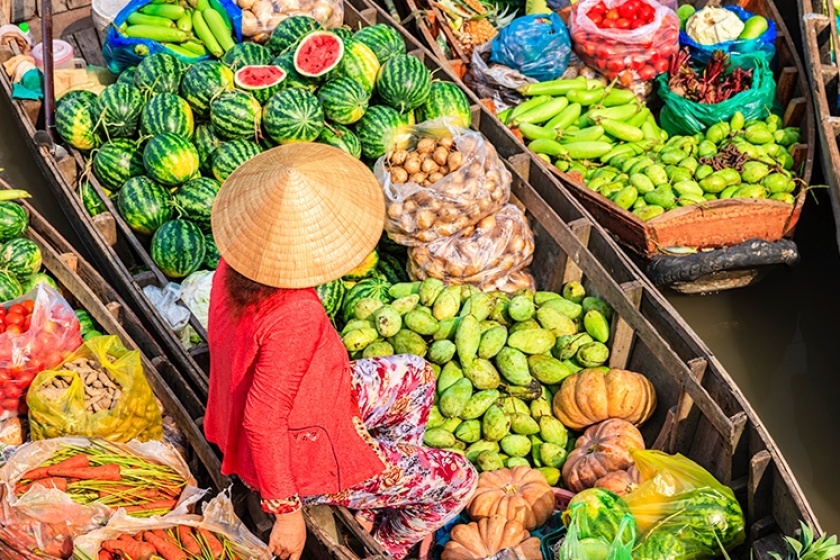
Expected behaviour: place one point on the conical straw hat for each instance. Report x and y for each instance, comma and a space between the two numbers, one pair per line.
298, 216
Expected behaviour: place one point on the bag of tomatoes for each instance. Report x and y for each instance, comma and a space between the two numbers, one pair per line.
631, 40
37, 331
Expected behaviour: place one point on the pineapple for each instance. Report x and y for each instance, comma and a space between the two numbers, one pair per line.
806, 548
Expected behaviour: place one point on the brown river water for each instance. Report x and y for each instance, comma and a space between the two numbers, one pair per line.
774, 338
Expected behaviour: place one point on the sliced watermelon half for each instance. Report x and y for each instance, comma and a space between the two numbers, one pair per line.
318, 53
258, 77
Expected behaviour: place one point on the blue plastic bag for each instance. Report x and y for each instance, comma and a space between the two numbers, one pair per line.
121, 52
764, 45
537, 46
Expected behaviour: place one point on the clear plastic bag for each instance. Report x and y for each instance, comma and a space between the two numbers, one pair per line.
480, 186
133, 414
765, 44
583, 543
494, 81
538, 46
631, 55
54, 332
487, 255
260, 17
41, 522
195, 294
681, 510
218, 517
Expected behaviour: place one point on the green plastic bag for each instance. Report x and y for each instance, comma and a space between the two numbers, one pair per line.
583, 542
685, 117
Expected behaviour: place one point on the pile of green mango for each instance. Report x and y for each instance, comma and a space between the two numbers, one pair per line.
499, 358
671, 174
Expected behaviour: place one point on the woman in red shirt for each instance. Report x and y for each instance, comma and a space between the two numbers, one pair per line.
295, 419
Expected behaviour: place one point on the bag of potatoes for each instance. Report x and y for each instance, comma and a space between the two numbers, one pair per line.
260, 17
446, 181
100, 390
490, 255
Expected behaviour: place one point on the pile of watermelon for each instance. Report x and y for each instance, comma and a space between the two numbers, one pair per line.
20, 258
163, 138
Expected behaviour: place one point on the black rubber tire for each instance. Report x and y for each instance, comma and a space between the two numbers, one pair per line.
665, 270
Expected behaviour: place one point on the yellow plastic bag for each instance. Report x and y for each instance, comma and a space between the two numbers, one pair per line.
134, 414
681, 510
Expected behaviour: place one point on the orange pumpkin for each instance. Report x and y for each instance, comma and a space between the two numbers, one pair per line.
521, 494
486, 537
602, 449
589, 397
620, 482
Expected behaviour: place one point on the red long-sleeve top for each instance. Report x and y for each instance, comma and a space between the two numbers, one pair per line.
280, 405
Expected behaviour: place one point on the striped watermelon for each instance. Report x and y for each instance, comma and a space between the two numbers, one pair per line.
344, 101
30, 283
293, 115
21, 257
246, 54
76, 125
404, 82
90, 200
170, 159
317, 54
341, 137
194, 200
293, 79
206, 141
159, 73
391, 267
236, 114
144, 205
211, 252
231, 155
83, 95
370, 287
178, 248
365, 268
378, 130
117, 109
14, 221
331, 295
289, 31
383, 40
344, 32
127, 75
10, 288
260, 81
116, 162
447, 100
204, 81
360, 64
166, 112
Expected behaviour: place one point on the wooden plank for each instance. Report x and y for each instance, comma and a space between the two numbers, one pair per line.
116, 310
755, 479
571, 271
685, 426
794, 111
786, 83
621, 333
89, 46
106, 226
21, 10
347, 519
71, 260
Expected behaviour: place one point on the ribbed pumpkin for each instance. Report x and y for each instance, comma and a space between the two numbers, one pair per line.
486, 537
521, 494
620, 482
602, 449
589, 397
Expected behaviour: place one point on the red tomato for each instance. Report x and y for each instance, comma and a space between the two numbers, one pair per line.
596, 18
4, 378
27, 321
12, 390
645, 12
647, 73
599, 8
17, 308
26, 377
612, 14
2, 311
628, 9
13, 329
9, 404
13, 318
53, 359
661, 65
608, 23
615, 65
622, 23
29, 305
2, 327
589, 49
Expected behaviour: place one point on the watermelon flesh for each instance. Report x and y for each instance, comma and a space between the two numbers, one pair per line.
318, 53
259, 77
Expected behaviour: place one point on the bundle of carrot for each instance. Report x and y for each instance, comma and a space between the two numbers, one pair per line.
180, 542
105, 474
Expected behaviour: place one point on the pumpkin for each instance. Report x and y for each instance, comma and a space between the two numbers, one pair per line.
620, 482
521, 494
589, 397
602, 449
486, 537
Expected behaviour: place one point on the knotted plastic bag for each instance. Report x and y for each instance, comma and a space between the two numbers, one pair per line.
583, 542
681, 510
763, 45
686, 117
538, 46
133, 414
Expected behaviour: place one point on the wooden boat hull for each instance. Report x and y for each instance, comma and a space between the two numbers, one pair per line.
817, 34
701, 414
717, 224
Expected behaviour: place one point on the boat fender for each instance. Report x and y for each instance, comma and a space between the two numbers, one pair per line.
665, 270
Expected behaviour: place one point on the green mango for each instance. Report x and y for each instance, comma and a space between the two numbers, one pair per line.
547, 370
488, 324
750, 191
648, 212
482, 374
599, 305
566, 347
357, 340
553, 431
500, 313
552, 476
469, 431
574, 292
663, 196
451, 424
706, 149
642, 183
404, 289
555, 321
436, 419
625, 198
513, 405
718, 132
378, 349
421, 322
429, 290
521, 308
523, 325
447, 329
541, 297
532, 341
513, 365
387, 320
596, 325
365, 307
515, 445
552, 455
681, 174
454, 399
611, 189
567, 307
592, 354
683, 188
776, 182
356, 324
466, 291
450, 373
541, 407
728, 191
438, 438
441, 351
447, 303
489, 461
703, 171
656, 173
754, 171
514, 462
479, 305
405, 304
408, 342
783, 197
478, 403
473, 451
492, 341
495, 424
467, 339
572, 365
758, 133
524, 424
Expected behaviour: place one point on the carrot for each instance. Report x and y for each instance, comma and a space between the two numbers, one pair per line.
130, 549
111, 471
165, 549
188, 541
129, 491
157, 504
161, 534
105, 555
53, 482
76, 461
216, 548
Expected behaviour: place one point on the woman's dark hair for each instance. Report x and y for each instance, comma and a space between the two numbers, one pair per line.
243, 291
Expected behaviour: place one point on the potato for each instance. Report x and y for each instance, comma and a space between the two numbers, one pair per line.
426, 145
440, 155
428, 166
453, 161
399, 175
417, 178
412, 165
446, 142
425, 218
395, 210
435, 177
398, 157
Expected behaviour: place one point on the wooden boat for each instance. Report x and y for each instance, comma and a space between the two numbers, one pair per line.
701, 411
818, 21
684, 248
